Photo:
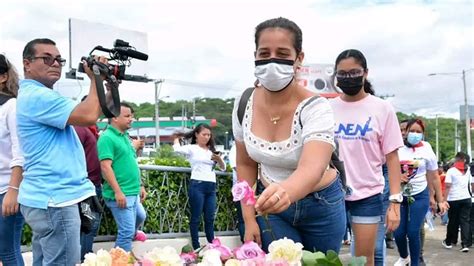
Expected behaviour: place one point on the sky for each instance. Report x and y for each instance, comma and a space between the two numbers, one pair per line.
206, 48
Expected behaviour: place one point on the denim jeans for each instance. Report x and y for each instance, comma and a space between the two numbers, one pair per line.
412, 217
56, 234
202, 198
10, 240
125, 218
141, 215
87, 240
380, 247
240, 221
318, 221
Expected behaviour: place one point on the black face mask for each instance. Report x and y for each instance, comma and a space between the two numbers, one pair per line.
350, 86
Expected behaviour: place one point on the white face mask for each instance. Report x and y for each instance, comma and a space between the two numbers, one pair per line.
274, 74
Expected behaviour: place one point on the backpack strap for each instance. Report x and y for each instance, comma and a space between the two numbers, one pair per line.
335, 162
4, 98
243, 103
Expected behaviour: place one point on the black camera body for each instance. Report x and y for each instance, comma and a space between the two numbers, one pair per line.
121, 53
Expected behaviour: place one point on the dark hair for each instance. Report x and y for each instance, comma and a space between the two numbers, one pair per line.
11, 85
413, 121
462, 156
125, 104
283, 23
29, 50
122, 104
192, 135
360, 59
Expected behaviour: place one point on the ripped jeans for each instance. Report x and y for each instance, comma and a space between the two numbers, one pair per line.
318, 221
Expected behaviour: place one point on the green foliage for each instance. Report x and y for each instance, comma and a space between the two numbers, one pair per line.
167, 203
331, 258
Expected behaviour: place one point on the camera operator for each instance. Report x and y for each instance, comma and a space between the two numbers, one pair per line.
55, 176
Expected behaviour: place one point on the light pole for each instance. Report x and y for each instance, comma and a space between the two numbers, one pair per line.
158, 84
466, 106
226, 144
437, 139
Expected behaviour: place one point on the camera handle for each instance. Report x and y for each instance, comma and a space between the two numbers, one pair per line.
114, 109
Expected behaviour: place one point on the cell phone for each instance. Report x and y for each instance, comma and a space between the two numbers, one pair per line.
217, 152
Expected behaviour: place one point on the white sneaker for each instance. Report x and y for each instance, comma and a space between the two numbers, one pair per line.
402, 261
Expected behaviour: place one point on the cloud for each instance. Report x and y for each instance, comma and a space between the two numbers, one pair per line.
209, 44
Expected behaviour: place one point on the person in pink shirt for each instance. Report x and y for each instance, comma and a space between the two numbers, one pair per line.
368, 135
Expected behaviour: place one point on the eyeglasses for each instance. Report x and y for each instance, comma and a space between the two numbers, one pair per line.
353, 73
49, 60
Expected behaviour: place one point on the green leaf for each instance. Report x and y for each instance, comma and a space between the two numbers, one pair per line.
309, 258
358, 261
187, 249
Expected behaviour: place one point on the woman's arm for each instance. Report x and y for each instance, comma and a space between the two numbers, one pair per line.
312, 165
393, 214
247, 171
433, 178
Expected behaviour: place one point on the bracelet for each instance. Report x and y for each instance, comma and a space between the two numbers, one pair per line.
12, 187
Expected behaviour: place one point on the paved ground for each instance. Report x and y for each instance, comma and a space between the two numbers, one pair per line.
435, 253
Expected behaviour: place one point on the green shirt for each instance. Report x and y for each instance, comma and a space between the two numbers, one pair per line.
116, 146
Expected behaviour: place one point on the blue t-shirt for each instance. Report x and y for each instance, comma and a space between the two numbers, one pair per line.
55, 168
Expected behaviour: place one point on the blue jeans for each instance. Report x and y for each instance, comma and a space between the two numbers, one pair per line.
411, 219
125, 218
240, 221
318, 221
56, 234
380, 247
202, 198
87, 240
141, 214
10, 242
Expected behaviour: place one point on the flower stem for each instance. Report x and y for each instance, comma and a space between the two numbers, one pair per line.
268, 227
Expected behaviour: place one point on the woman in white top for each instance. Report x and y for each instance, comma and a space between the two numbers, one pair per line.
419, 173
11, 168
459, 186
290, 135
202, 156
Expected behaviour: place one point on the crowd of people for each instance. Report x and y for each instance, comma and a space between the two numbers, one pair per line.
55, 168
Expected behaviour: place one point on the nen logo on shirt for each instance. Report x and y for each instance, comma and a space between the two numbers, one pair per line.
354, 131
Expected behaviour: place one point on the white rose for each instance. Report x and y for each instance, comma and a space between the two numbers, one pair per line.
287, 250
211, 257
164, 256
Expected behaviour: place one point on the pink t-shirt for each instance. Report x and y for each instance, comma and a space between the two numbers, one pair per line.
366, 131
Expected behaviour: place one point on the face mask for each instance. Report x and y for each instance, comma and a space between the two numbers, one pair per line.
350, 86
414, 138
274, 74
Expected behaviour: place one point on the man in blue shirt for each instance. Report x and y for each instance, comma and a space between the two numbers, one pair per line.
55, 176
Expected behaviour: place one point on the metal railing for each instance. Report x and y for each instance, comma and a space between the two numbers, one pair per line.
167, 204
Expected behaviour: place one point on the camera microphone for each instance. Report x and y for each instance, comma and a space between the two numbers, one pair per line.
131, 53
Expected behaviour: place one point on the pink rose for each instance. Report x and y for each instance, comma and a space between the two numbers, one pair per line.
188, 258
249, 250
241, 191
226, 253
254, 262
145, 262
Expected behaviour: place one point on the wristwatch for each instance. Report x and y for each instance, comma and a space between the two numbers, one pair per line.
396, 198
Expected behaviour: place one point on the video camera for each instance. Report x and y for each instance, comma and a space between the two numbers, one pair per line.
122, 53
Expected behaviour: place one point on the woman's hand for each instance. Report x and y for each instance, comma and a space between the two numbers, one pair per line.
274, 199
252, 232
10, 203
404, 178
443, 207
392, 219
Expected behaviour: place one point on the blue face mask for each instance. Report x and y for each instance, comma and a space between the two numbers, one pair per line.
414, 138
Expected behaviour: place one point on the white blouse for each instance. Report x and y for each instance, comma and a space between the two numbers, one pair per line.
10, 155
278, 160
200, 159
